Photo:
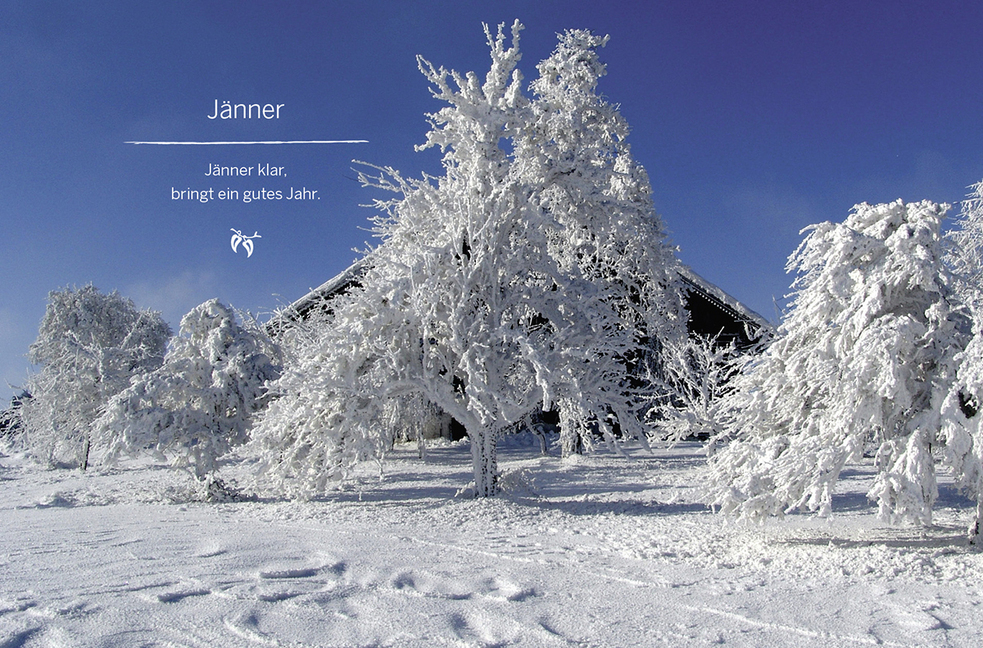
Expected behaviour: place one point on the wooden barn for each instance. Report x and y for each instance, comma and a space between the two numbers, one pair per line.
712, 313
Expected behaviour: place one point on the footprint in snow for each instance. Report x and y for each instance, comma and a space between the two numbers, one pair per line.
180, 595
278, 573
299, 572
18, 638
276, 597
210, 549
498, 588
431, 585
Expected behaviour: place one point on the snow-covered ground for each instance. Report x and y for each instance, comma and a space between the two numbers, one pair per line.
596, 552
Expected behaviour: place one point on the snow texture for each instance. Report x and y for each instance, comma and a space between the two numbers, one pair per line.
589, 551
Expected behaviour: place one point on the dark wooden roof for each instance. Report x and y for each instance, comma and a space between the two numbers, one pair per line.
712, 312
318, 298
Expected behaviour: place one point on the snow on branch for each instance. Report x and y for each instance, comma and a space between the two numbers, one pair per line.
531, 274
861, 365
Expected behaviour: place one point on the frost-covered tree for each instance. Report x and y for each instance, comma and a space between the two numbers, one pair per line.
962, 433
862, 362
199, 404
965, 250
530, 274
700, 369
573, 151
89, 346
961, 411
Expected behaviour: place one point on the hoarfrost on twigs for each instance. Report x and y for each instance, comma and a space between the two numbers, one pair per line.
199, 405
862, 364
533, 273
89, 346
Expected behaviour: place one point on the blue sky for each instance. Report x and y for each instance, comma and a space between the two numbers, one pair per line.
753, 119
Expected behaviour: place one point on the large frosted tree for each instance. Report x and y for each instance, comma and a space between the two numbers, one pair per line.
534, 272
862, 363
573, 150
89, 346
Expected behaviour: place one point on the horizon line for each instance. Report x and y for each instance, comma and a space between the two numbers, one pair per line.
261, 142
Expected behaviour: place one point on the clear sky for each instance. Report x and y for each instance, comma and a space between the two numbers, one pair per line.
753, 119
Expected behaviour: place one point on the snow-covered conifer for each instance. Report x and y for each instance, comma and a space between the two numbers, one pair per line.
862, 362
603, 231
89, 346
198, 405
530, 274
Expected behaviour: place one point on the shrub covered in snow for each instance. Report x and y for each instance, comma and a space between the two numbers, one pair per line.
862, 363
198, 405
531, 273
89, 346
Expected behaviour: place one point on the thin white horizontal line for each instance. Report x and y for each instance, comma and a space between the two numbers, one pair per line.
284, 142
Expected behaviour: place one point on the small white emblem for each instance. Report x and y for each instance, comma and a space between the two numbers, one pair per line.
246, 241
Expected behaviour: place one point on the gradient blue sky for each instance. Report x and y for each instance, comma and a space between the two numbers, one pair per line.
753, 119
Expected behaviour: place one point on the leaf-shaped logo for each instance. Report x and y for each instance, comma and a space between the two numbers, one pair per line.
247, 243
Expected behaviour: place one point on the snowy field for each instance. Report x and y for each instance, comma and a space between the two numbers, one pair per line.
596, 552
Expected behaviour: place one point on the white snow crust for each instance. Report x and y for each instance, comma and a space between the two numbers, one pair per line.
591, 551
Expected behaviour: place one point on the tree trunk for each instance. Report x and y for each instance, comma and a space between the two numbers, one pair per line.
974, 528
570, 442
84, 455
484, 457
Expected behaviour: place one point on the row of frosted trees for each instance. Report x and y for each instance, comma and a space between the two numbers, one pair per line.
113, 381
535, 274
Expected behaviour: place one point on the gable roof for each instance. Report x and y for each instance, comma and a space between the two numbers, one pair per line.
712, 312
317, 298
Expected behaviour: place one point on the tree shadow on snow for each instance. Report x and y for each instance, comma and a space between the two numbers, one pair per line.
616, 507
948, 536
